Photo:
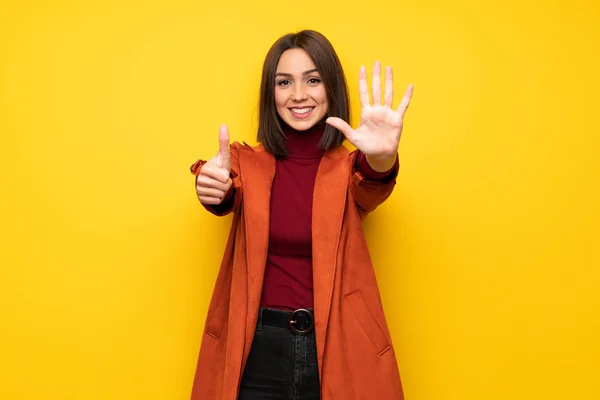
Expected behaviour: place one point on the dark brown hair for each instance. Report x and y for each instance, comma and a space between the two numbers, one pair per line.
320, 50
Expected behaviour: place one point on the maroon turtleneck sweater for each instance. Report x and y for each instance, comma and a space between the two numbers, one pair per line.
288, 281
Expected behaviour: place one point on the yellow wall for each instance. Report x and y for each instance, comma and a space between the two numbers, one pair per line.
487, 252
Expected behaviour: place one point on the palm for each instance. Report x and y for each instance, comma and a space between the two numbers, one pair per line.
378, 133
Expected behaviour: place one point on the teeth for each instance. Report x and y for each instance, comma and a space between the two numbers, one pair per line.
302, 110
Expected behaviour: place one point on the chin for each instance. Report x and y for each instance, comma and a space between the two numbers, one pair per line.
301, 125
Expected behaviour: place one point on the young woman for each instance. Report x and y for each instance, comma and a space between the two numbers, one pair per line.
296, 312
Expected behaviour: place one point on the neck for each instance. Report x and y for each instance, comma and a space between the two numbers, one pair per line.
303, 144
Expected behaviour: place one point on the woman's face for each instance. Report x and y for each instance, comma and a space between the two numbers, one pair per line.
300, 95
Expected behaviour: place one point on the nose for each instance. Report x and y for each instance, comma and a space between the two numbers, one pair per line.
299, 93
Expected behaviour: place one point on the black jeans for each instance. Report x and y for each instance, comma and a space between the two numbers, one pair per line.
282, 365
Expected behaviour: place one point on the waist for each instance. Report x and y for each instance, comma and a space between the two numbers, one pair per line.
299, 322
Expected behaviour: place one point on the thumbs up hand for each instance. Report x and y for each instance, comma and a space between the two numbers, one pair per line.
213, 181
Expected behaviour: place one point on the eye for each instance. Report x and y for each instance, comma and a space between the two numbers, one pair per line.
283, 82
314, 81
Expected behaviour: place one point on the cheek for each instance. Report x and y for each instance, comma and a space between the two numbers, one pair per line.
323, 98
280, 98
322, 95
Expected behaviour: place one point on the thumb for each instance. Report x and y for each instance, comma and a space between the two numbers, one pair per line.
224, 141
343, 127
223, 153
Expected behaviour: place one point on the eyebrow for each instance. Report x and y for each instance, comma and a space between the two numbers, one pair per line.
310, 71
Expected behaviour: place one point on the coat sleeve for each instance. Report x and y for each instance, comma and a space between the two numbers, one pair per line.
233, 198
368, 187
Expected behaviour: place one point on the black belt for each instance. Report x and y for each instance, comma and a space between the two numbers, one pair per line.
300, 321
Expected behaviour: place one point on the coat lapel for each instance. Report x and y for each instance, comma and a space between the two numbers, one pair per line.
329, 202
257, 170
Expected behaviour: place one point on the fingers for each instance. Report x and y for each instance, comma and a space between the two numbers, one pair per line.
363, 89
210, 200
405, 101
217, 194
213, 193
210, 191
388, 97
215, 172
376, 84
343, 127
209, 183
224, 141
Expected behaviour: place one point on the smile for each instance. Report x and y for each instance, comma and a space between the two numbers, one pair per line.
301, 113
301, 110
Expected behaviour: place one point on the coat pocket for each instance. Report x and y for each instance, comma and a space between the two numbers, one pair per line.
367, 321
218, 317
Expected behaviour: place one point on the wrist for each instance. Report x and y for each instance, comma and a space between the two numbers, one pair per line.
382, 163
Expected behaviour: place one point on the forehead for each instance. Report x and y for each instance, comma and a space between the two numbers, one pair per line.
295, 61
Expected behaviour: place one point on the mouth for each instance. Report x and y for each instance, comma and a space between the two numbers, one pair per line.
301, 112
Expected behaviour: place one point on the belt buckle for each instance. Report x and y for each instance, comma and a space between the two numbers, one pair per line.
297, 317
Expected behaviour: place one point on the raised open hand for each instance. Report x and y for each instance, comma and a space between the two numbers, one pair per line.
378, 133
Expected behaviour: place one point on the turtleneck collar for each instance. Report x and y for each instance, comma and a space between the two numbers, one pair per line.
303, 144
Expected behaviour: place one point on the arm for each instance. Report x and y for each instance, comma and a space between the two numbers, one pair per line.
374, 166
369, 187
